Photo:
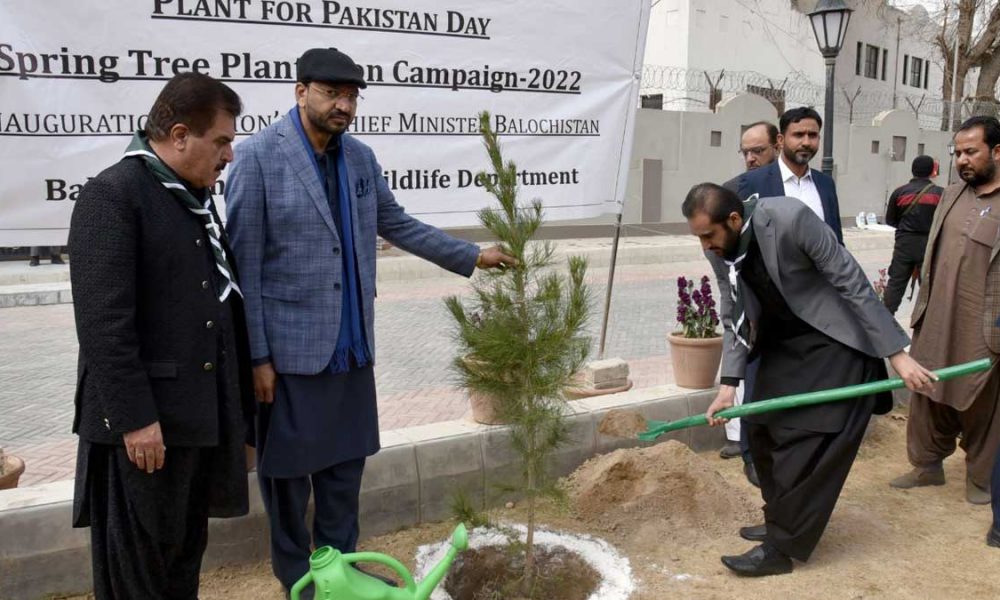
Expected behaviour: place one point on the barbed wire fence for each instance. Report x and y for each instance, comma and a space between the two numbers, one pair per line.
702, 90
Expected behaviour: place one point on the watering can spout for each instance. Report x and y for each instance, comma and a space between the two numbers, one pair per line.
459, 542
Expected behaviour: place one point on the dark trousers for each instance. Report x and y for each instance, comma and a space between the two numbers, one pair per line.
907, 255
801, 475
995, 491
748, 381
335, 492
147, 532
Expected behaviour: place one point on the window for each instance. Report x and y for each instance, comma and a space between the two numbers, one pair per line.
857, 59
716, 139
874, 146
885, 61
898, 148
906, 66
916, 72
920, 149
871, 62
927, 72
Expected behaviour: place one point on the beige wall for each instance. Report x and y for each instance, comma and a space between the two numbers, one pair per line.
682, 142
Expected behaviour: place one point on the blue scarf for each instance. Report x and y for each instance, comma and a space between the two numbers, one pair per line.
351, 338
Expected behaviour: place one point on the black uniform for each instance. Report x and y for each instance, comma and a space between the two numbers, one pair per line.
912, 223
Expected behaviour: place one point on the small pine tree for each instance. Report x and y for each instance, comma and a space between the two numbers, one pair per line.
522, 337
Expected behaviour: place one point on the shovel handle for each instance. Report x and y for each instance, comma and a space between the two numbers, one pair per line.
657, 428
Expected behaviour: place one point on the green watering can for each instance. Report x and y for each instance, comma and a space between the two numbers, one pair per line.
335, 579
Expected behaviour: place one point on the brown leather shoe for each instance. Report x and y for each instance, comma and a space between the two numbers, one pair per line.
919, 477
975, 494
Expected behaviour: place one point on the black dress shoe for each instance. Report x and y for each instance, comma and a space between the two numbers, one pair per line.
751, 473
754, 533
993, 537
761, 561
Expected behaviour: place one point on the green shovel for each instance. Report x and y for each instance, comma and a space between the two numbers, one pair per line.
657, 428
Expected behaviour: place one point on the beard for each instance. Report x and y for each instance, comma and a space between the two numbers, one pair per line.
800, 157
977, 178
320, 120
731, 244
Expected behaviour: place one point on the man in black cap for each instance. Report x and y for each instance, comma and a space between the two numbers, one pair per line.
305, 201
911, 211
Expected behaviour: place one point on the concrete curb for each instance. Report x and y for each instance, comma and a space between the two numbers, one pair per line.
20, 286
412, 480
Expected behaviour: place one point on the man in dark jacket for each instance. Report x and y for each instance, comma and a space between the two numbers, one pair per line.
911, 211
164, 359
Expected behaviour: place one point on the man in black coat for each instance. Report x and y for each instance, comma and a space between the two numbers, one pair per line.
164, 389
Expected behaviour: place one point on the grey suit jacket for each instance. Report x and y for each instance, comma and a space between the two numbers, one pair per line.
819, 279
288, 251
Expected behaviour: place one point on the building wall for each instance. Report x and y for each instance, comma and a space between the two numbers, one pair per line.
679, 145
774, 38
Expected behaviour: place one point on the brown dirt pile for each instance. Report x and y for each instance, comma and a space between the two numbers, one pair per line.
665, 488
622, 423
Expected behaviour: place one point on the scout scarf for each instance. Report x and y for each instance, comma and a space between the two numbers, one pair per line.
140, 147
740, 325
350, 338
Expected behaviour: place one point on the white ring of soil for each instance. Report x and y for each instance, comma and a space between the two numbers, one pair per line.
614, 569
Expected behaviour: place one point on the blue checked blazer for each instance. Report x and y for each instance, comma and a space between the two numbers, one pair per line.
288, 251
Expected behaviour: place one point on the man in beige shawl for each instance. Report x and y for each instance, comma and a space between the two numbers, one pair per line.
955, 320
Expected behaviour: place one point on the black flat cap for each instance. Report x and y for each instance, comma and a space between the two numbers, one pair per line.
330, 65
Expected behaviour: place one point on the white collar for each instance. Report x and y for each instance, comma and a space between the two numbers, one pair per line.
786, 173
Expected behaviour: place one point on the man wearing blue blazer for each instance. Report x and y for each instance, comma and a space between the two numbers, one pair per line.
791, 176
305, 201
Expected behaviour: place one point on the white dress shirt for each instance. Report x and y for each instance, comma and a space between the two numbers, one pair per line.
803, 188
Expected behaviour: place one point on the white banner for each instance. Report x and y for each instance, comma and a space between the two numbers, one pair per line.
560, 78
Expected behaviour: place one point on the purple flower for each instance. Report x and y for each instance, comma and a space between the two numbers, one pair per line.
682, 282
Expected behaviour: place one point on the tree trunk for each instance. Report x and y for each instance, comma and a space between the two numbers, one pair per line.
986, 101
529, 540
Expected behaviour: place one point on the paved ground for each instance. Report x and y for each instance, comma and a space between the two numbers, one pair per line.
413, 346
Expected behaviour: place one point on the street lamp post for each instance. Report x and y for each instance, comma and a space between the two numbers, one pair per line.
829, 23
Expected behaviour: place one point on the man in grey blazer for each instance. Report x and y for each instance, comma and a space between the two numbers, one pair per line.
814, 322
305, 201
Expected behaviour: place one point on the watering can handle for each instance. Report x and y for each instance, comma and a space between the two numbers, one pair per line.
300, 585
388, 561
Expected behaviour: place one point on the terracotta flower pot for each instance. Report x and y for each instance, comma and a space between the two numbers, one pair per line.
13, 468
484, 409
696, 360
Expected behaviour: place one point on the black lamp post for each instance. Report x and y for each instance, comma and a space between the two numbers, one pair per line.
829, 23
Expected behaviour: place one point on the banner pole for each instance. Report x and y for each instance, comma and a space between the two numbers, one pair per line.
611, 283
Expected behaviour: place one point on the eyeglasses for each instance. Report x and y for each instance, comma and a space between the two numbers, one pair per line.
754, 151
333, 95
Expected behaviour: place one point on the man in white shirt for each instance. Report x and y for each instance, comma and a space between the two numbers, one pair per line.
790, 175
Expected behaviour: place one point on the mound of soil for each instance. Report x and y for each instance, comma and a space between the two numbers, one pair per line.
635, 488
622, 423
496, 572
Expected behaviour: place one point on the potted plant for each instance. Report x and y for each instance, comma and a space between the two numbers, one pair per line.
695, 350
11, 468
521, 340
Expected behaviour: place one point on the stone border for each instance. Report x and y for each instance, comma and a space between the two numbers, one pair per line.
412, 480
